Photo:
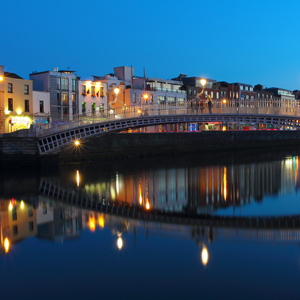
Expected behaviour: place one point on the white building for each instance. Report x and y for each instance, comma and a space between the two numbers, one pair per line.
41, 109
92, 97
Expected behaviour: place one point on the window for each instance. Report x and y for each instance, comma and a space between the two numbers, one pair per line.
83, 89
172, 100
205, 93
44, 208
225, 94
151, 98
93, 107
41, 106
190, 92
73, 98
241, 87
161, 99
236, 95
246, 88
221, 94
247, 97
73, 85
102, 92
58, 98
180, 101
217, 95
93, 90
10, 88
30, 211
258, 95
26, 89
212, 94
66, 112
64, 98
30, 226
58, 82
65, 83
26, 105
14, 214
83, 104
252, 97
10, 104
195, 92
74, 111
15, 230
134, 98
251, 89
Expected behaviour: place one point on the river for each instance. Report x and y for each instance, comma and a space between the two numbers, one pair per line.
56, 245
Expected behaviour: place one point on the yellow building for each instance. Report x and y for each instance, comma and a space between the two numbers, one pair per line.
16, 106
18, 221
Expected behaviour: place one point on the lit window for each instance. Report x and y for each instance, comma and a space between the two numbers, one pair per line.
65, 98
26, 89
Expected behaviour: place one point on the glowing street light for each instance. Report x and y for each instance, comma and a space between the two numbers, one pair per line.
1, 78
203, 82
117, 90
77, 143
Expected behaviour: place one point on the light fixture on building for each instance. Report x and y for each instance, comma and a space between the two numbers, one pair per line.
1, 78
203, 82
19, 112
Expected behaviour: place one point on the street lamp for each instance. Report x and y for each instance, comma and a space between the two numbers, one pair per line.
1, 78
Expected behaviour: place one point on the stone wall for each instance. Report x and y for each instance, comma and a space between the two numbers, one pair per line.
123, 145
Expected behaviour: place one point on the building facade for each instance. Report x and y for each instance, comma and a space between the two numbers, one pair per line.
92, 97
16, 107
63, 88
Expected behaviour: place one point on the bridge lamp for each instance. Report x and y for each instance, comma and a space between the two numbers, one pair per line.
77, 143
204, 256
203, 82
117, 90
139, 111
18, 111
224, 101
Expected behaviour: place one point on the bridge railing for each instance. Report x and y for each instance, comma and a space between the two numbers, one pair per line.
163, 110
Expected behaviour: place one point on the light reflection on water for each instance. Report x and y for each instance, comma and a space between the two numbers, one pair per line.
257, 189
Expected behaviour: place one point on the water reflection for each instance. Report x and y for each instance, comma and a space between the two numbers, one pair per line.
196, 190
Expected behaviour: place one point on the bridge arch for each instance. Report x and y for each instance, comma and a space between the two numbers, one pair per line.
53, 139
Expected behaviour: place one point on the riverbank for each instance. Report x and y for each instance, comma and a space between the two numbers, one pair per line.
16, 152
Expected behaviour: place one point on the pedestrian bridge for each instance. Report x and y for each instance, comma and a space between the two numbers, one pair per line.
90, 125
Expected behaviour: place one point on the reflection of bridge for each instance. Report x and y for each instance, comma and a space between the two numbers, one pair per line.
82, 200
86, 126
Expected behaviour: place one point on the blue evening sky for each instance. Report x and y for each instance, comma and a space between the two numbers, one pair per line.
245, 41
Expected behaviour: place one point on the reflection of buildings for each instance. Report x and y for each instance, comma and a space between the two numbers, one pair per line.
17, 219
198, 189
56, 222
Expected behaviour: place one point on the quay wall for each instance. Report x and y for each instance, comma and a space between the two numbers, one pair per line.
126, 145
22, 151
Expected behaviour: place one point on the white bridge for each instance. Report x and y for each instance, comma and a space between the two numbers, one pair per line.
92, 124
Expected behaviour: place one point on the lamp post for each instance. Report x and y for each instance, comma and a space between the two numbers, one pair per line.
146, 97
203, 83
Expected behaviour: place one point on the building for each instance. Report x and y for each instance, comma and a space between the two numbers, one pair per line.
16, 107
41, 109
92, 97
193, 87
63, 88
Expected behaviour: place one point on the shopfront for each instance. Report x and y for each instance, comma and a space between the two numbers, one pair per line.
18, 123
